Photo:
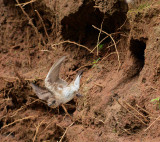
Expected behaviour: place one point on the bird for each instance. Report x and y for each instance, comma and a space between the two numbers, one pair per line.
57, 91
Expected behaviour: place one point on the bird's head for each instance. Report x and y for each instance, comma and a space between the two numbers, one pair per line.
52, 102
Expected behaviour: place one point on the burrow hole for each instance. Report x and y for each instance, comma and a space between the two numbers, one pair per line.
78, 26
137, 48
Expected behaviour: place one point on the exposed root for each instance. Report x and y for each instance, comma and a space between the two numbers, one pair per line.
24, 4
107, 56
43, 24
66, 131
144, 110
152, 123
97, 46
18, 120
83, 67
37, 128
66, 112
67, 41
99, 85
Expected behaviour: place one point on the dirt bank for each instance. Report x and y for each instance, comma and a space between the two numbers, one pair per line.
121, 74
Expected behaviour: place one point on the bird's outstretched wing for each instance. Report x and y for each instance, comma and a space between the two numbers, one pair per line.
53, 75
42, 94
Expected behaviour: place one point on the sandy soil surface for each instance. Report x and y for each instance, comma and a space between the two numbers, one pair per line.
115, 43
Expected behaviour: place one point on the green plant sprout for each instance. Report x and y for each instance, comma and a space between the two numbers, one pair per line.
100, 47
156, 101
95, 62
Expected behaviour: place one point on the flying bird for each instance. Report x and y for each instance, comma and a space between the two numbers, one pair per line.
57, 91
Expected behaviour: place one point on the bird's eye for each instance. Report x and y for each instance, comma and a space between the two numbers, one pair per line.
52, 103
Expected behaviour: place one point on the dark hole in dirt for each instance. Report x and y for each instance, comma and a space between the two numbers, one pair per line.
136, 129
137, 48
127, 126
24, 101
9, 2
72, 109
78, 26
70, 106
75, 67
1, 124
131, 128
8, 121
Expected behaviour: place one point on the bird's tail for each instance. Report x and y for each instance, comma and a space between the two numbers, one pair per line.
77, 80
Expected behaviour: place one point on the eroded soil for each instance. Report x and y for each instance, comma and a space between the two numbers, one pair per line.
121, 75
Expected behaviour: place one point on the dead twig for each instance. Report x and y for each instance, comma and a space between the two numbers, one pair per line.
97, 46
99, 120
144, 110
24, 4
5, 139
40, 101
113, 42
105, 39
67, 41
43, 24
107, 56
45, 50
122, 25
83, 67
152, 123
37, 128
66, 131
99, 85
64, 108
99, 43
127, 131
18, 120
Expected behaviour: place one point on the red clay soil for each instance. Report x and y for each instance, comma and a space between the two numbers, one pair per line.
117, 86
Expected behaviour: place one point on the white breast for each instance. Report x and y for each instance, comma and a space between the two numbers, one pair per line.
69, 93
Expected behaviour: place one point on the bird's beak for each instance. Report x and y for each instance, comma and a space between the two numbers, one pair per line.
79, 95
